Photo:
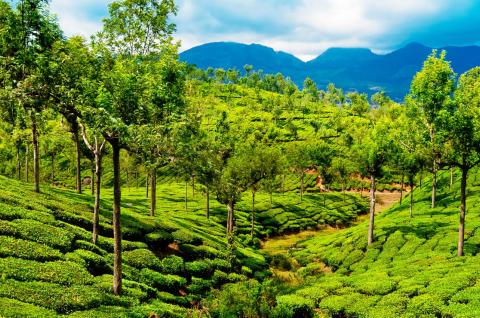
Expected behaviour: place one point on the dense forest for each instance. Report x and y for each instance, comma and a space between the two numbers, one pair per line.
135, 185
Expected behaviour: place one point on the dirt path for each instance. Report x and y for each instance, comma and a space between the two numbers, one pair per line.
282, 244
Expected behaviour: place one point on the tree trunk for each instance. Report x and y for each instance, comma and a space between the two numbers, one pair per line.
434, 184
253, 214
98, 186
463, 207
136, 178
78, 176
451, 179
92, 179
147, 182
230, 216
117, 234
411, 197
186, 195
207, 195
402, 185
128, 180
193, 187
372, 210
19, 165
53, 168
26, 163
36, 155
302, 179
153, 196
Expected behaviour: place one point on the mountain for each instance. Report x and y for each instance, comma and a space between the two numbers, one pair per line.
353, 69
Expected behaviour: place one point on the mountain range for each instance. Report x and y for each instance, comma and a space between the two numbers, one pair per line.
352, 69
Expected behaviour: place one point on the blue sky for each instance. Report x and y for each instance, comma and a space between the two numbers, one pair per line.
304, 28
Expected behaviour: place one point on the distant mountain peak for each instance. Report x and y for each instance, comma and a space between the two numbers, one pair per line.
348, 68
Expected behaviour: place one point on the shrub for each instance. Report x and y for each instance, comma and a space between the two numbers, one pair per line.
293, 306
60, 272
42, 233
142, 258
96, 264
185, 237
160, 281
173, 265
159, 238
27, 250
11, 308
88, 246
281, 261
63, 299
200, 285
201, 268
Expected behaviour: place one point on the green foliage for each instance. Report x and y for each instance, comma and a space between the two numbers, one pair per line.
293, 306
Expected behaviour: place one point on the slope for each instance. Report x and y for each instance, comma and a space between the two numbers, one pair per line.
410, 271
49, 268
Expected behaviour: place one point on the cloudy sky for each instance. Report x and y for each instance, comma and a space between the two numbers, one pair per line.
304, 28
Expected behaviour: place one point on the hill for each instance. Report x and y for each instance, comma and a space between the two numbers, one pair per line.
49, 268
411, 270
348, 68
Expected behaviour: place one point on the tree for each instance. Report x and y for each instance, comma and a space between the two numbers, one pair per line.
97, 149
71, 64
463, 124
135, 30
370, 150
32, 33
430, 92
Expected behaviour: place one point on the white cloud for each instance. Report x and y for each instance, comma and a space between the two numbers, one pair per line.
302, 27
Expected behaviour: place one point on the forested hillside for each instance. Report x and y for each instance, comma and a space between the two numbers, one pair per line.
135, 185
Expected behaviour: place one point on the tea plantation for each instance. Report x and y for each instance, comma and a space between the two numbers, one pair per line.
49, 267
411, 270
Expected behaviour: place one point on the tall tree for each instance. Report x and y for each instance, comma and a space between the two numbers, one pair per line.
430, 92
463, 124
135, 30
31, 34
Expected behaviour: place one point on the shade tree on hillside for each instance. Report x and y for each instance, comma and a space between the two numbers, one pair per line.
134, 31
431, 93
462, 123
30, 33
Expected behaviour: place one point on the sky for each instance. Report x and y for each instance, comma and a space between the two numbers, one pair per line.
304, 28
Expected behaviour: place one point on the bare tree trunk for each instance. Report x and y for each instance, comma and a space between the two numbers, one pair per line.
136, 178
78, 176
207, 197
372, 210
402, 185
193, 187
230, 216
186, 195
147, 182
36, 155
26, 163
302, 179
92, 179
463, 207
411, 197
98, 186
451, 178
434, 184
117, 230
19, 165
153, 196
253, 214
53, 168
